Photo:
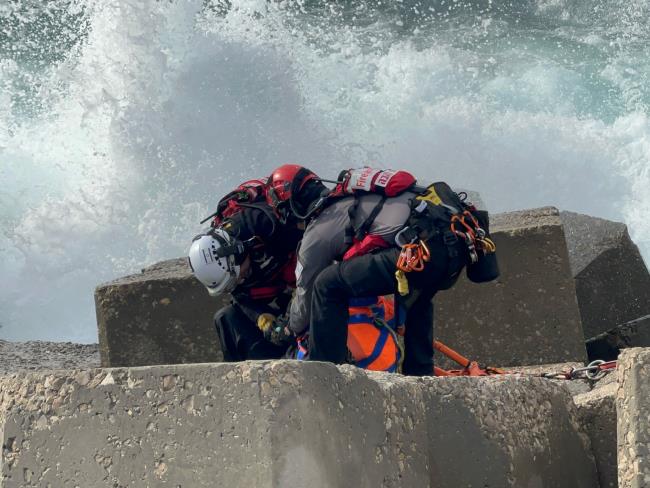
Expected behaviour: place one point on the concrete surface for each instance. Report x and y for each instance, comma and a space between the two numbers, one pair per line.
612, 280
530, 314
608, 345
39, 355
160, 316
597, 411
633, 412
287, 424
575, 387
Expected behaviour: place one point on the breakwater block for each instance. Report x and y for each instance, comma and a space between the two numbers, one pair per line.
633, 412
608, 345
530, 314
161, 316
597, 412
287, 424
612, 280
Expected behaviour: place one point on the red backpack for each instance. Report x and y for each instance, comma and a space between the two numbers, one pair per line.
247, 194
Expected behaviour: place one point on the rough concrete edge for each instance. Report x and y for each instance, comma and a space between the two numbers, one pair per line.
490, 383
596, 395
575, 222
625, 243
624, 327
591, 406
102, 332
166, 270
627, 369
522, 219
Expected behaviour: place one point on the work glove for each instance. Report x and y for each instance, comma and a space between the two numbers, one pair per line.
265, 321
274, 328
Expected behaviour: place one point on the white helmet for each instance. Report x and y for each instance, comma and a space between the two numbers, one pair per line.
213, 258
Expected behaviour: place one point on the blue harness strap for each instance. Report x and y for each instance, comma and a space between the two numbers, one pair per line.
379, 346
360, 318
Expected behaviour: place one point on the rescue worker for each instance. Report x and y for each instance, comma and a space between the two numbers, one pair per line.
326, 281
251, 255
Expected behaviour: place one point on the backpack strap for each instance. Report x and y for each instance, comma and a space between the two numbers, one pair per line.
364, 228
349, 229
352, 234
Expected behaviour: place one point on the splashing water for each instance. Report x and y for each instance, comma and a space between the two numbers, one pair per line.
123, 121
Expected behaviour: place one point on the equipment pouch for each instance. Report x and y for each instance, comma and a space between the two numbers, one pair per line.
485, 269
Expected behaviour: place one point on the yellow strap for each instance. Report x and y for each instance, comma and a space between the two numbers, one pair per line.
402, 282
430, 196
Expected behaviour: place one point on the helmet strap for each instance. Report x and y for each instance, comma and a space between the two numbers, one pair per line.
235, 249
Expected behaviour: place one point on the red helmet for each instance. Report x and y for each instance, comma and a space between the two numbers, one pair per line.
286, 180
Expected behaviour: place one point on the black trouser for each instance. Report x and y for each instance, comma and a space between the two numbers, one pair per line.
374, 275
241, 339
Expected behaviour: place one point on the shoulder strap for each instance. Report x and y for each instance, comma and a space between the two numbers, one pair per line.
364, 228
349, 229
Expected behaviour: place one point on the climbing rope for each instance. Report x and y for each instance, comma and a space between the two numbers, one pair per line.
594, 371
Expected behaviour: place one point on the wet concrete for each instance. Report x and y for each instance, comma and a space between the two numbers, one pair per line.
287, 424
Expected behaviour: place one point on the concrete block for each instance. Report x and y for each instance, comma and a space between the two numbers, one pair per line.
528, 424
633, 413
597, 411
608, 345
574, 387
160, 316
286, 424
612, 280
530, 314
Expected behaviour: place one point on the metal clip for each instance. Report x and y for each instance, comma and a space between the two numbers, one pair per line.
402, 239
471, 248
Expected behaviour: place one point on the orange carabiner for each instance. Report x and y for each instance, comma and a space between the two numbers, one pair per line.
412, 257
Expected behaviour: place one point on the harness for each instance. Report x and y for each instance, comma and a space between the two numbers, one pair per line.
372, 334
372, 342
438, 211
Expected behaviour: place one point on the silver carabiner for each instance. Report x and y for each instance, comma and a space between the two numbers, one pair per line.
398, 238
594, 372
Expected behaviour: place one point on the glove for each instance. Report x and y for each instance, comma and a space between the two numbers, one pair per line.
265, 322
274, 329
